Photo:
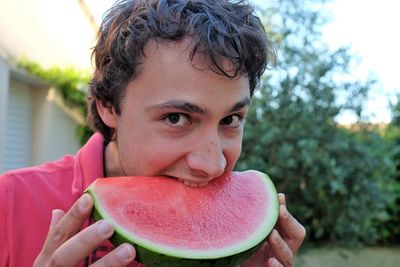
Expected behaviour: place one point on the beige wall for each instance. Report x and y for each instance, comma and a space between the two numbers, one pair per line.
53, 128
51, 32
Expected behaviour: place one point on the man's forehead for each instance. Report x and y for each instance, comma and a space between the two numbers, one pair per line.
183, 49
163, 49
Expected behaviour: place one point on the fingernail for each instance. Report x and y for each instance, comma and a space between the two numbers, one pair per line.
84, 201
104, 228
53, 223
276, 263
53, 215
282, 198
125, 252
275, 236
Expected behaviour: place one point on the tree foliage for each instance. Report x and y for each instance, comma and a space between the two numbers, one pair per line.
390, 227
334, 177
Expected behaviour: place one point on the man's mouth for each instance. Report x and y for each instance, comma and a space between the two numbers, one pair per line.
187, 182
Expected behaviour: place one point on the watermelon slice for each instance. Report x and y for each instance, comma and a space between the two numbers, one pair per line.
171, 224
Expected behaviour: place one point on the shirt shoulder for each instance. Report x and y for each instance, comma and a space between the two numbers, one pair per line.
28, 195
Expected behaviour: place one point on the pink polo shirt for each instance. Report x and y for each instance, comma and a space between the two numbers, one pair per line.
28, 196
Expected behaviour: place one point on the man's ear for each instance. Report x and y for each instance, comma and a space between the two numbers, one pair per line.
107, 113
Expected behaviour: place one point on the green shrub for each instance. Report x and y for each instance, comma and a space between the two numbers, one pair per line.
335, 178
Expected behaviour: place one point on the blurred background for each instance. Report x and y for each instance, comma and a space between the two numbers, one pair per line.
325, 122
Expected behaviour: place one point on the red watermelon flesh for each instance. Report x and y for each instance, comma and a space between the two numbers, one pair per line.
228, 216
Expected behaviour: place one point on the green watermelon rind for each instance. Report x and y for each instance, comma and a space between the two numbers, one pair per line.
153, 259
152, 255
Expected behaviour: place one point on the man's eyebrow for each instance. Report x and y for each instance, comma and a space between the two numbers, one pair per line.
193, 108
241, 104
180, 105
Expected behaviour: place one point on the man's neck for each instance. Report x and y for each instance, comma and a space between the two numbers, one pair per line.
112, 163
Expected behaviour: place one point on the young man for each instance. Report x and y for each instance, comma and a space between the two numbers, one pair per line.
171, 88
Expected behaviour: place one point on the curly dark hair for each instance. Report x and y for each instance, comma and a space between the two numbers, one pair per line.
219, 29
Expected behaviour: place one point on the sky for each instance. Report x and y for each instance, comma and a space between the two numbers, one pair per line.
371, 28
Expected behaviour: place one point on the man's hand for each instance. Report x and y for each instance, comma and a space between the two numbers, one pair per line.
282, 244
66, 245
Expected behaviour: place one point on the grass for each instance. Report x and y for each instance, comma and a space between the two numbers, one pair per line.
334, 257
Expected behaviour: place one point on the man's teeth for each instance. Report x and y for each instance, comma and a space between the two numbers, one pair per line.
191, 183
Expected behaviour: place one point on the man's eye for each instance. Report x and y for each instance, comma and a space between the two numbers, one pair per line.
177, 119
232, 121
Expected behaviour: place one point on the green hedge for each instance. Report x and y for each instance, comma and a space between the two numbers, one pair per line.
336, 179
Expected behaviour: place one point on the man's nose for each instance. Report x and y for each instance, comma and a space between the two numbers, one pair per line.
207, 159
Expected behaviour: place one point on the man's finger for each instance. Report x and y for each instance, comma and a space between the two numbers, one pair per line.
82, 244
56, 216
68, 225
42, 259
292, 231
272, 262
121, 256
281, 251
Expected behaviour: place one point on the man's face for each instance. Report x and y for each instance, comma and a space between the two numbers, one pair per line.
180, 119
